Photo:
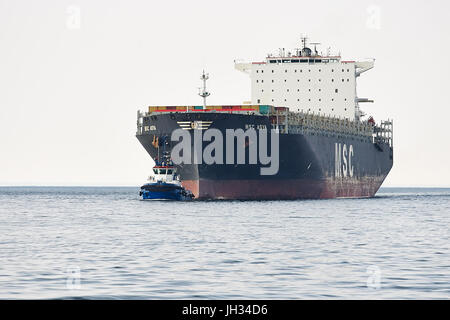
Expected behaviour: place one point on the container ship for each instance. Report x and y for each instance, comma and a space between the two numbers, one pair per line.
304, 107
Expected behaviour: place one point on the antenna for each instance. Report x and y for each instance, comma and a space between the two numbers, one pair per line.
315, 46
202, 92
304, 39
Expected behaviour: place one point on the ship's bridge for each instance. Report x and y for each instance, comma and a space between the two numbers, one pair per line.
318, 59
306, 81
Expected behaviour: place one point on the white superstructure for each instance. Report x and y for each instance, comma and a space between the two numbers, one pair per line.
165, 175
307, 82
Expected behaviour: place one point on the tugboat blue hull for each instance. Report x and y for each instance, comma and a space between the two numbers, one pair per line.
161, 191
164, 196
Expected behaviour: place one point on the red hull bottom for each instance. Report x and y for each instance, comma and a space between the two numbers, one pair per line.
283, 189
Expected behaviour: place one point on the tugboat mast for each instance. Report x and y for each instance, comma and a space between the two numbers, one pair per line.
203, 93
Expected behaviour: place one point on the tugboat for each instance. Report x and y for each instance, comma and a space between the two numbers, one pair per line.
164, 184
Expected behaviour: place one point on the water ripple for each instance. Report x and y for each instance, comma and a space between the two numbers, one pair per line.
103, 243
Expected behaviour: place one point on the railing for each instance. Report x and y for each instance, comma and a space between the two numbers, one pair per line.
306, 123
384, 133
139, 122
301, 122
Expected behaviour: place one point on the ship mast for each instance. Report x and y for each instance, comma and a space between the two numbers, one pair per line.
202, 91
304, 39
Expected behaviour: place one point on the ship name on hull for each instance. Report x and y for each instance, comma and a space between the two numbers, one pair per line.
343, 160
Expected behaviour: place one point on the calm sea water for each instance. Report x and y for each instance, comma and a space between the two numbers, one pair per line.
105, 243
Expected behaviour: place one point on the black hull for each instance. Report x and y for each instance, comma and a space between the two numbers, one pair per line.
307, 165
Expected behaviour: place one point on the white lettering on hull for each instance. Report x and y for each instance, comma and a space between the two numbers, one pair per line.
343, 160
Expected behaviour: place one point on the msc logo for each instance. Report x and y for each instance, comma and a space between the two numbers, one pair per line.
343, 160
198, 125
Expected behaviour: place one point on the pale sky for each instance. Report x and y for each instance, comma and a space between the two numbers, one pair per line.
70, 88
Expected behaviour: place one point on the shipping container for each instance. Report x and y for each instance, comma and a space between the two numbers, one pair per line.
266, 109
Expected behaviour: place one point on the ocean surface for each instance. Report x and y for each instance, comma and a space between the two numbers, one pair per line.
105, 243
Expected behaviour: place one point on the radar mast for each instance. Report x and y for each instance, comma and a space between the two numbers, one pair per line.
202, 91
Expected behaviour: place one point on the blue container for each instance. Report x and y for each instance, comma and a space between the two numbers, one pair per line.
265, 109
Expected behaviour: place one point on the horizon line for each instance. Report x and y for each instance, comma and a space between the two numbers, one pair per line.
137, 186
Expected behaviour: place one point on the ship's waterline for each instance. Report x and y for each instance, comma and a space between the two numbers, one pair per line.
289, 189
